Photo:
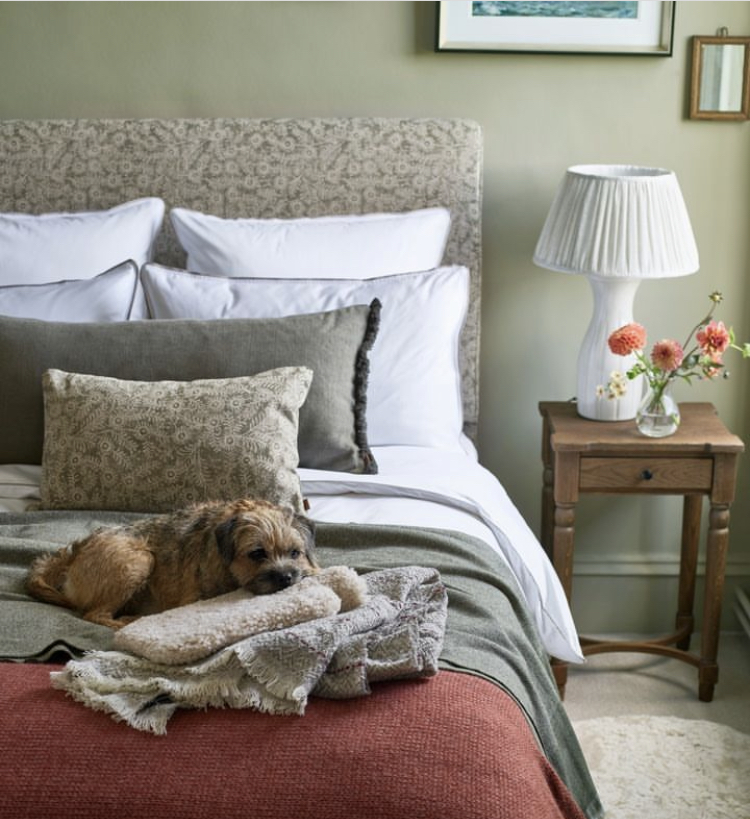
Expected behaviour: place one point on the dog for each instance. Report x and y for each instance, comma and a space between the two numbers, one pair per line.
117, 574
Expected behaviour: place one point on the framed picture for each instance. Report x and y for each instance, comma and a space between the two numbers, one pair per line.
603, 27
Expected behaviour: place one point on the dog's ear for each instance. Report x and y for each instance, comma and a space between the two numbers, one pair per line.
224, 534
306, 527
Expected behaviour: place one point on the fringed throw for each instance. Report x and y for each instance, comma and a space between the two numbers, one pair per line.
397, 632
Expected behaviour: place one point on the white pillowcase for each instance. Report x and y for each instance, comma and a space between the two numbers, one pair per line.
414, 392
107, 297
18, 482
330, 247
36, 249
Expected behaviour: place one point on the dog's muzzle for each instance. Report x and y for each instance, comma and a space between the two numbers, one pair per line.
283, 580
274, 580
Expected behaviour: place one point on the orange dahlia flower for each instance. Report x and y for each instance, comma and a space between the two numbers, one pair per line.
627, 339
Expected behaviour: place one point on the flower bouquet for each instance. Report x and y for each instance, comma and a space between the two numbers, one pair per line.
699, 357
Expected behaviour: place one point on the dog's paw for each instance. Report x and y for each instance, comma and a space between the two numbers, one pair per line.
346, 583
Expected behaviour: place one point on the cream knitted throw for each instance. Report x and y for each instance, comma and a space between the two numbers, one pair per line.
397, 632
189, 633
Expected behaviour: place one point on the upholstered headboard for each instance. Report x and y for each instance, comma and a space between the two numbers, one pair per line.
261, 168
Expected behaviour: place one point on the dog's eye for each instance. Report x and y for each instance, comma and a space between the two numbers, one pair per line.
294, 554
257, 555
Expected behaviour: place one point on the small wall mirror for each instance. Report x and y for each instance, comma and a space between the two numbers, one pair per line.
721, 69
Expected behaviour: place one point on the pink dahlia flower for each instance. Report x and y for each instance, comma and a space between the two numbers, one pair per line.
667, 354
713, 338
708, 370
627, 339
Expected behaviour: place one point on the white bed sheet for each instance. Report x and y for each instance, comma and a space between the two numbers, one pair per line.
415, 486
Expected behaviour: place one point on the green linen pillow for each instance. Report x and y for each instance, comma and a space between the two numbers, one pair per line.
333, 344
139, 446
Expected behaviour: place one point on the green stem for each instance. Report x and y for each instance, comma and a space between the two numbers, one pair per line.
657, 395
702, 323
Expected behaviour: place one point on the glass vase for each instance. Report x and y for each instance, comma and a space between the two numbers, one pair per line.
658, 415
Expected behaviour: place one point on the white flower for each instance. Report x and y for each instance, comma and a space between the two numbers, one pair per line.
615, 388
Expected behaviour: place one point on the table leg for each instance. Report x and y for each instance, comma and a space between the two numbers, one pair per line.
548, 511
691, 522
562, 559
716, 558
562, 545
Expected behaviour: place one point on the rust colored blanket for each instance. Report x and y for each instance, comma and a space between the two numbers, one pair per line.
455, 746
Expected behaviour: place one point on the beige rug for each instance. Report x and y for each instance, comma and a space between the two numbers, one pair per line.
649, 767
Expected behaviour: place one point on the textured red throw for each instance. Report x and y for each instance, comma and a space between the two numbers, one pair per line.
454, 747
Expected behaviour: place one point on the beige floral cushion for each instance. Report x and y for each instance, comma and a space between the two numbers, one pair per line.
157, 446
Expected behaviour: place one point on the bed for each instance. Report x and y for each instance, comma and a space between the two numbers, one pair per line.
180, 258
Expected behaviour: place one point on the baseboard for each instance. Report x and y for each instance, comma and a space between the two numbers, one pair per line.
632, 596
637, 566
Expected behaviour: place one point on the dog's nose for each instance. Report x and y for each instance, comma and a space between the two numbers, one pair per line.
284, 579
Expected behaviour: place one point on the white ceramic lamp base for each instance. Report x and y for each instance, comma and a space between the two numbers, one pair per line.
613, 307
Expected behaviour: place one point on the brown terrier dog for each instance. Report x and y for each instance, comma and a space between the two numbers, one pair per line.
117, 574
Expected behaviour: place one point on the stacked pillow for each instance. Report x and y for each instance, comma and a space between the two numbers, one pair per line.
333, 345
49, 247
328, 247
59, 247
414, 395
106, 297
303, 298
275, 267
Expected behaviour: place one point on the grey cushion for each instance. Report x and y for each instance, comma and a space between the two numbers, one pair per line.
333, 344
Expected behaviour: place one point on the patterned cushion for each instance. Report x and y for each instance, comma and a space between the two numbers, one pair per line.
157, 446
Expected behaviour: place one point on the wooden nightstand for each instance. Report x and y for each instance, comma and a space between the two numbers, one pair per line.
700, 459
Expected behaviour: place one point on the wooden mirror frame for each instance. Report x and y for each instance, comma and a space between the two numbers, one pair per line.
696, 112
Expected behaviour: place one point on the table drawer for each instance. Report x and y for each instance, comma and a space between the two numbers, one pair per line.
646, 474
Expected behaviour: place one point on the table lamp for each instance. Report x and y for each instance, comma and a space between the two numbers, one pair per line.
616, 224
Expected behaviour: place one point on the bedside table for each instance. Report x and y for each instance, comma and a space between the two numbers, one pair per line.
700, 459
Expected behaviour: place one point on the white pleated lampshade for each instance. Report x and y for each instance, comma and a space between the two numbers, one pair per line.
616, 224
618, 220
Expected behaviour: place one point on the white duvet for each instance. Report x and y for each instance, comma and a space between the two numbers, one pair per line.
415, 486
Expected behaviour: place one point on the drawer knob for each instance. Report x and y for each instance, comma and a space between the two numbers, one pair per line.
647, 474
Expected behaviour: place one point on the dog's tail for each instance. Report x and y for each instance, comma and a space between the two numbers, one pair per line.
46, 578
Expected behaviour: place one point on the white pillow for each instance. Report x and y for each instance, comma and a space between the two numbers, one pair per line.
36, 249
18, 482
107, 297
414, 391
330, 247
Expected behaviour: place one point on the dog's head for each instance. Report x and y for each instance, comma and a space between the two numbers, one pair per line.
267, 548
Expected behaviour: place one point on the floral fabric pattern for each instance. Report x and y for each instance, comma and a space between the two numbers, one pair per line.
158, 446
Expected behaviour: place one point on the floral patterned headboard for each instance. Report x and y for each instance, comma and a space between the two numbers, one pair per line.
262, 168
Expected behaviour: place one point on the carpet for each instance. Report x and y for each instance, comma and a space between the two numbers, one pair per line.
667, 768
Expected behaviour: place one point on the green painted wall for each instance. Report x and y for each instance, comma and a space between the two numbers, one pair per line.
540, 114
